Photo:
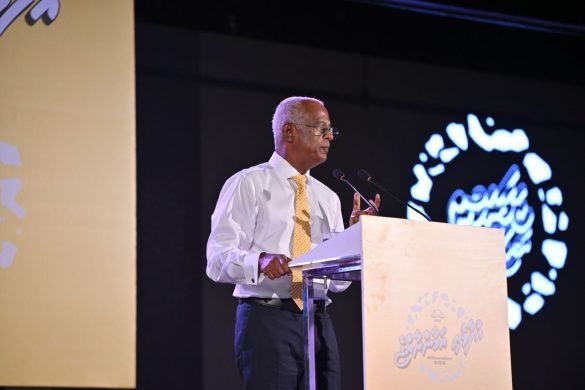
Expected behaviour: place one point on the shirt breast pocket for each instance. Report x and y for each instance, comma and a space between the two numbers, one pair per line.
321, 225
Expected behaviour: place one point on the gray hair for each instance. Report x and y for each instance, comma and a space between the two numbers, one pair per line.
289, 110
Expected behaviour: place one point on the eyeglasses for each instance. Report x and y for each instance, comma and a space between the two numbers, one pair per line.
334, 131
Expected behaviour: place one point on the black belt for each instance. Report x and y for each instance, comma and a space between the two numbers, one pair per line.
283, 304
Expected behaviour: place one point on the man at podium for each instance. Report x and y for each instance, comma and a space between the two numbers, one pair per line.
265, 216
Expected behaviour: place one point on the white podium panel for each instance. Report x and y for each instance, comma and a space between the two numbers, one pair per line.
434, 306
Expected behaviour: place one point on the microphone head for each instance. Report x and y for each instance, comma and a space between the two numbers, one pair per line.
338, 174
364, 175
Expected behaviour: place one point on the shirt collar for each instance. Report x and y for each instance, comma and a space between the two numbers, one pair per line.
283, 168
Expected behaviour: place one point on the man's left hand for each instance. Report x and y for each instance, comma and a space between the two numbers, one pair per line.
357, 210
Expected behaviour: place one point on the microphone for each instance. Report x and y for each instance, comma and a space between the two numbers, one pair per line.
365, 176
338, 174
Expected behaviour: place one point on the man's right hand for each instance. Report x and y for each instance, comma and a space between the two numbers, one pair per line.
274, 265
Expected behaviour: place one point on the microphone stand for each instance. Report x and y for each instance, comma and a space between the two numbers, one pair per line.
338, 174
364, 175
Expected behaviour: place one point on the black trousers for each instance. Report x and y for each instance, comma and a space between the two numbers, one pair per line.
269, 345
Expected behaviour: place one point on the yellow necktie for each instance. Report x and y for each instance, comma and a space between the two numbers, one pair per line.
301, 242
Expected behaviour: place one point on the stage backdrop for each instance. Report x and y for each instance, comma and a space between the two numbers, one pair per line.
67, 193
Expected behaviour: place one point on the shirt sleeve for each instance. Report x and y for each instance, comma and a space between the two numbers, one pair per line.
229, 255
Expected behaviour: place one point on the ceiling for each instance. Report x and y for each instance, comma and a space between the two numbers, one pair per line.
385, 28
564, 11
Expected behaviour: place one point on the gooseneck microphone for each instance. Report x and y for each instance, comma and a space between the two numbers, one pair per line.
338, 174
365, 176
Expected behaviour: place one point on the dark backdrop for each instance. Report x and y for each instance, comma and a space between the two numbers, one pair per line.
204, 108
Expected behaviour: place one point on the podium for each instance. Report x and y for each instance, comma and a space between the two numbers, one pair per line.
434, 302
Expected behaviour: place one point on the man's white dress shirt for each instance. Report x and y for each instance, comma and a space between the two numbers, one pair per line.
255, 214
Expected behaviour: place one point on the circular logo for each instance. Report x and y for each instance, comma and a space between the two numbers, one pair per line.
519, 197
438, 337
